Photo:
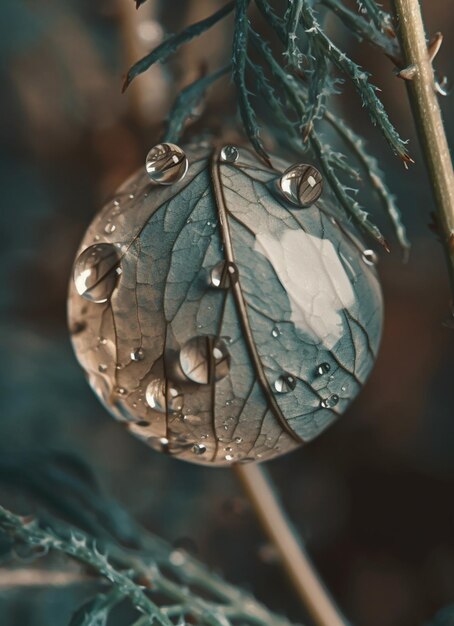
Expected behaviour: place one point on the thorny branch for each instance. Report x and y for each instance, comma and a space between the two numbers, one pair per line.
164, 584
310, 68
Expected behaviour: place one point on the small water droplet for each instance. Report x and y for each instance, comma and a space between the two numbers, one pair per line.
238, 439
223, 275
166, 163
116, 203
102, 341
164, 397
329, 403
204, 359
275, 332
343, 388
199, 448
370, 257
301, 184
137, 354
102, 367
109, 227
323, 368
228, 457
121, 391
230, 154
94, 272
285, 383
131, 196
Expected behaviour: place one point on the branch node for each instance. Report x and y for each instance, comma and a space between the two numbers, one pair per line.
407, 73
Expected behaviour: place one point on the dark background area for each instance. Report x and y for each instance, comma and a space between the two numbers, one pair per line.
372, 497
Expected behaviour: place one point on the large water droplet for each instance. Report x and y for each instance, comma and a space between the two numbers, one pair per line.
301, 184
323, 368
285, 383
230, 154
223, 275
205, 359
166, 164
164, 397
329, 403
95, 273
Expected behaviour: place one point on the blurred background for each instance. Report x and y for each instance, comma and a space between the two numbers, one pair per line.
373, 496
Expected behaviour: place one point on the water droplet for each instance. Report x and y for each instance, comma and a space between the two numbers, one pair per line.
137, 354
121, 391
199, 448
94, 272
102, 367
109, 227
370, 257
223, 275
285, 383
166, 163
323, 368
102, 341
238, 439
230, 154
275, 332
343, 388
301, 184
204, 359
329, 403
228, 457
156, 393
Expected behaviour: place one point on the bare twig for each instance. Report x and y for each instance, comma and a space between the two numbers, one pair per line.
296, 562
428, 120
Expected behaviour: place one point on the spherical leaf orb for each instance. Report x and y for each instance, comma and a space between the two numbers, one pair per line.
215, 318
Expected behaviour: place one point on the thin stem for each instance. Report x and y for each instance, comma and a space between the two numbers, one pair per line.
429, 123
296, 562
